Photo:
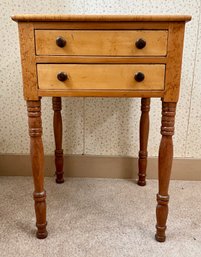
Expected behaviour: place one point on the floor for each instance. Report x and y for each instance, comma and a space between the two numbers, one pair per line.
99, 218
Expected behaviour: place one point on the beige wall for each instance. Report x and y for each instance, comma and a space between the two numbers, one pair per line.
99, 126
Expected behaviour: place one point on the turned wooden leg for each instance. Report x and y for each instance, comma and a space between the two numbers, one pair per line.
144, 133
164, 166
37, 159
57, 120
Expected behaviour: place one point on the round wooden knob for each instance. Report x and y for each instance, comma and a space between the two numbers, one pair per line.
140, 43
62, 76
139, 77
60, 41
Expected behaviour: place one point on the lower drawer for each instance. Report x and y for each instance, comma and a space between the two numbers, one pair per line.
101, 76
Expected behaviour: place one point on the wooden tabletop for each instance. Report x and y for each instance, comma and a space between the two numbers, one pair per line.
65, 17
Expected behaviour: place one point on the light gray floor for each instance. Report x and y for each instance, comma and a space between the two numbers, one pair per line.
99, 218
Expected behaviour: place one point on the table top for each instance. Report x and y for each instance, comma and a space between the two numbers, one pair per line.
67, 17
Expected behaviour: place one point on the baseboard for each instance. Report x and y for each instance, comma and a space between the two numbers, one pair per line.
99, 167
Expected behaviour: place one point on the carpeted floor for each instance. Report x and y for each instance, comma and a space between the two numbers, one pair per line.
99, 218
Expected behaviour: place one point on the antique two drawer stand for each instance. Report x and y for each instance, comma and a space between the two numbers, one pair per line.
101, 56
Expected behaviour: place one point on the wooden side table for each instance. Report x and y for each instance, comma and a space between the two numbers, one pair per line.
101, 56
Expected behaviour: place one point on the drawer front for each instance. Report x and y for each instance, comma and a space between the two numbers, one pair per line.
101, 76
100, 42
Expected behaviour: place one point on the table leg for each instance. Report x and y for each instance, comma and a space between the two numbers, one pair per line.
57, 120
37, 159
164, 166
144, 132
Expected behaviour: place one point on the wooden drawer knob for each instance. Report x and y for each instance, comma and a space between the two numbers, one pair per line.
60, 41
139, 76
140, 43
62, 76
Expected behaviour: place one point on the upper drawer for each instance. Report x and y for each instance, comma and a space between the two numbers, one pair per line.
101, 42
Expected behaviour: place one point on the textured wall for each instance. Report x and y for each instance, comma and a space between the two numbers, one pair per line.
100, 126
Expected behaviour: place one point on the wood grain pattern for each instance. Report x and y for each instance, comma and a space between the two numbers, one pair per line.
100, 18
100, 77
57, 121
27, 49
174, 62
100, 93
99, 42
100, 59
37, 160
113, 25
164, 166
144, 132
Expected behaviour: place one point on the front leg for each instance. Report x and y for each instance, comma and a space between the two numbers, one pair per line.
37, 159
164, 165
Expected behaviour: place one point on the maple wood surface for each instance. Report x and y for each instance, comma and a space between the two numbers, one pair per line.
100, 42
99, 55
63, 17
101, 76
